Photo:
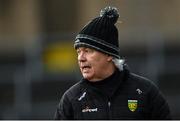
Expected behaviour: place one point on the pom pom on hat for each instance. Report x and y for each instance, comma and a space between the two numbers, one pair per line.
111, 13
101, 33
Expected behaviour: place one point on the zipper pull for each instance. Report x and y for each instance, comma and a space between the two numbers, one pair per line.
109, 104
109, 110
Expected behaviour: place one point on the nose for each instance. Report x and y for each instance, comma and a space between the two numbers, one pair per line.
81, 57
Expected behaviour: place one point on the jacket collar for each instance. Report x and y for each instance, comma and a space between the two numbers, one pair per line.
109, 86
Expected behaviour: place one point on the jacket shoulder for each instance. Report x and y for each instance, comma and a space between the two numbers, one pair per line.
74, 90
141, 82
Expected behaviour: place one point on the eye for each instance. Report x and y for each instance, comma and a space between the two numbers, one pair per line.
88, 50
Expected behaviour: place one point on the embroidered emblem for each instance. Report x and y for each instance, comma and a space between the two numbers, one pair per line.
82, 96
132, 105
139, 91
87, 109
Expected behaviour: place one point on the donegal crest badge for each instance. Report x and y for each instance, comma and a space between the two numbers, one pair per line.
132, 105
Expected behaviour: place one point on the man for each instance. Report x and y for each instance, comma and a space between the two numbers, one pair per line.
108, 90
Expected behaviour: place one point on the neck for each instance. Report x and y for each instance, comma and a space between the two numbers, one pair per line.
110, 70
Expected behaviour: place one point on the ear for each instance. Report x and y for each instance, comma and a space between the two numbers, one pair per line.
109, 58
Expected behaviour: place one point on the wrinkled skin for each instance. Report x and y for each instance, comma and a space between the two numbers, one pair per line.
94, 65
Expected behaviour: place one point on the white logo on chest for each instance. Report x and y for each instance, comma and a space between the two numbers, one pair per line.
82, 96
139, 91
87, 109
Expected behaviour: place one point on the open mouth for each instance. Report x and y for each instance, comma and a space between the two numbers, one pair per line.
86, 67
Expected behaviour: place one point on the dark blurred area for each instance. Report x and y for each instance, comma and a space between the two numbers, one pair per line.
38, 61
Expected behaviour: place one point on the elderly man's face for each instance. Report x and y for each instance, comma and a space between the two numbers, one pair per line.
93, 64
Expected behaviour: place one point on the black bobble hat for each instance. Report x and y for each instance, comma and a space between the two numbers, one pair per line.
101, 33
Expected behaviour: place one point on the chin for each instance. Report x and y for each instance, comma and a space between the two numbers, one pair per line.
88, 77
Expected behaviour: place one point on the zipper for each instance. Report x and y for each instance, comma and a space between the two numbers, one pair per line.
109, 110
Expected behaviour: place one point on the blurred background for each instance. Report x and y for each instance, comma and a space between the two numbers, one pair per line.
38, 61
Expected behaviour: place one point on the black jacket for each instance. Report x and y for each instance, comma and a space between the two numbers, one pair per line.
130, 97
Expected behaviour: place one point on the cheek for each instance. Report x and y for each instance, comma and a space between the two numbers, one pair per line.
98, 65
97, 62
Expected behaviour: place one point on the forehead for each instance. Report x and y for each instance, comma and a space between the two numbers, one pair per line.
89, 48
83, 48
